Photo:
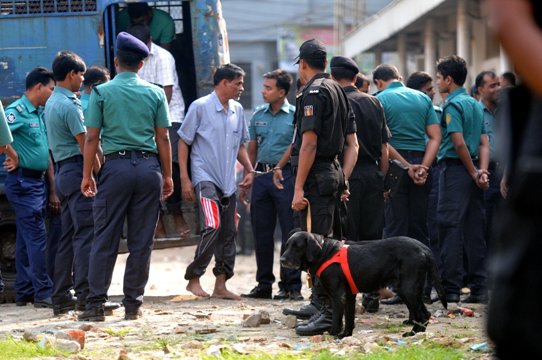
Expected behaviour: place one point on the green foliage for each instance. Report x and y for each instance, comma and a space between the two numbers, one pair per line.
11, 348
120, 333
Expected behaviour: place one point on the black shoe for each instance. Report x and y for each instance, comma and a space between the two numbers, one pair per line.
132, 314
258, 293
370, 303
318, 326
24, 301
64, 307
395, 300
476, 299
295, 295
452, 298
43, 303
109, 306
92, 314
304, 312
282, 295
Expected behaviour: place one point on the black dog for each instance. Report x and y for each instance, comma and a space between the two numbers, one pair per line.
400, 261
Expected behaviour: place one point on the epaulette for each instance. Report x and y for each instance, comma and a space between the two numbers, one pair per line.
95, 88
315, 86
19, 108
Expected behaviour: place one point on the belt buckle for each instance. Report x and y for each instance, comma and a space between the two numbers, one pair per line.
267, 168
122, 153
145, 155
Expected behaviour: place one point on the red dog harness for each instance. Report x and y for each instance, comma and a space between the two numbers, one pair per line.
341, 258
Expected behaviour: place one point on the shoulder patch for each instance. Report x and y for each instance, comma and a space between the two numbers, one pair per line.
308, 110
448, 119
11, 118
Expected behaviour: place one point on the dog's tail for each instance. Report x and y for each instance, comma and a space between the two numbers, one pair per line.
436, 280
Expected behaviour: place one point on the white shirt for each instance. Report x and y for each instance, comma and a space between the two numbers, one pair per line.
159, 68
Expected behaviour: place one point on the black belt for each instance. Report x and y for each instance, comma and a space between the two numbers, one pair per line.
411, 153
127, 155
35, 174
73, 159
265, 167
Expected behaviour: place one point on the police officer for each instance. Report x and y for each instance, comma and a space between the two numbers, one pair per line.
271, 129
132, 179
464, 158
5, 140
27, 161
66, 135
324, 128
366, 184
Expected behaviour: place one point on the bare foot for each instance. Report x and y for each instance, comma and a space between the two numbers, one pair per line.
195, 288
225, 294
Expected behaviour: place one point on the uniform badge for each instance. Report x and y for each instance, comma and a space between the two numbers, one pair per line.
316, 91
260, 123
308, 110
11, 118
19, 108
448, 119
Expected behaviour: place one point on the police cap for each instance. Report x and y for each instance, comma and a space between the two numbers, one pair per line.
344, 62
312, 49
127, 42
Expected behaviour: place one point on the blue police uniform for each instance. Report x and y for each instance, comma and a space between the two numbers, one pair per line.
25, 190
64, 120
129, 183
460, 210
273, 134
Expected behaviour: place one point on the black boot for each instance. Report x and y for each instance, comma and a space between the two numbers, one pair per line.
92, 314
308, 310
319, 324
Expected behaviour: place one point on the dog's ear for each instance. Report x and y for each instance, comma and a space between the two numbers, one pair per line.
314, 246
293, 231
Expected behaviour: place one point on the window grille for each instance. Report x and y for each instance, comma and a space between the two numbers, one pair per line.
11, 8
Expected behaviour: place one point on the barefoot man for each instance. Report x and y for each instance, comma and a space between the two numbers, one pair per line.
216, 130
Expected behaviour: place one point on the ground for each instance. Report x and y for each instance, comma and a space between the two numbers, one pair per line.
177, 325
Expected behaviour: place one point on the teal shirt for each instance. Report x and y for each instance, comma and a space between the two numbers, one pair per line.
5, 133
489, 121
29, 137
84, 102
64, 120
461, 113
162, 27
127, 110
273, 132
408, 113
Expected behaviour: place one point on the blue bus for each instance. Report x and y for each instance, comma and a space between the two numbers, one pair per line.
33, 31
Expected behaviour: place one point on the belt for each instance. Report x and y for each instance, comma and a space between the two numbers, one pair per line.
127, 155
35, 174
413, 153
265, 167
73, 159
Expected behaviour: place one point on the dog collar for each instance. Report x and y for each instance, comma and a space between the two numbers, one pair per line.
340, 257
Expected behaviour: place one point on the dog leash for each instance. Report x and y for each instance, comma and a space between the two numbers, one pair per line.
308, 225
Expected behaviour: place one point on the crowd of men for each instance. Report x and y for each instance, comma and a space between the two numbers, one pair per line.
319, 166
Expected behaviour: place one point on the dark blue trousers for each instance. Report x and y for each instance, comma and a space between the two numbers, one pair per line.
217, 224
432, 223
406, 211
71, 263
492, 199
27, 196
268, 203
461, 222
128, 189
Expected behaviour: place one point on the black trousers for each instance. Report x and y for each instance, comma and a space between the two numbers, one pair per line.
366, 205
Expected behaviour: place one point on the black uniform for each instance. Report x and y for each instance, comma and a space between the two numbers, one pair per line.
323, 108
366, 203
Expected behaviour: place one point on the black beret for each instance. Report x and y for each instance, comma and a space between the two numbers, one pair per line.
312, 49
344, 62
127, 42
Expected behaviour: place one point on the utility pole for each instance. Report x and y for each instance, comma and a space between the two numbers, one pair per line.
338, 26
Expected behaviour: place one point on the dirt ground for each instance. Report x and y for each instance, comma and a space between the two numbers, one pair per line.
177, 325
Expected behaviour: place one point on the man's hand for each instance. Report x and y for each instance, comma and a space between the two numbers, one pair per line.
419, 174
346, 192
299, 202
54, 203
504, 187
11, 163
88, 187
278, 178
167, 188
482, 179
247, 181
187, 189
243, 196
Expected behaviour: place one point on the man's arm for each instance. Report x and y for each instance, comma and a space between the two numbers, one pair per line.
12, 158
252, 151
307, 154
164, 151
169, 92
277, 171
464, 155
186, 183
92, 138
54, 202
243, 158
384, 158
350, 155
483, 178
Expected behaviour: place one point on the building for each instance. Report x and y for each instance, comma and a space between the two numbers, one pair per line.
414, 34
